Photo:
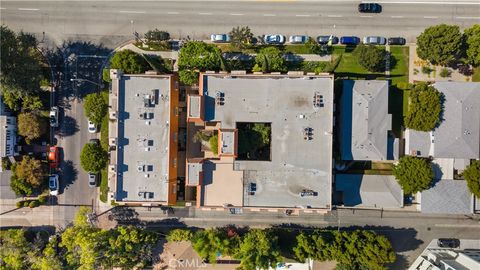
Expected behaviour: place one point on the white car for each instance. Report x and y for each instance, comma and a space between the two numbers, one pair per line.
53, 184
274, 39
299, 39
374, 40
92, 128
54, 116
220, 38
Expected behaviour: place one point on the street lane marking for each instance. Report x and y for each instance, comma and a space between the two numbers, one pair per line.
204, 13
302, 15
396, 17
132, 11
468, 18
173, 12
2, 8
269, 15
334, 16
366, 16
457, 225
236, 14
430, 17
29, 9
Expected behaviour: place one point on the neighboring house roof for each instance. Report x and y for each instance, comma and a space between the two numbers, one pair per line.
365, 121
447, 197
458, 135
379, 191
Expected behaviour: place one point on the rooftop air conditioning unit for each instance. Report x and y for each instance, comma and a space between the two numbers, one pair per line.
140, 168
147, 175
147, 123
147, 149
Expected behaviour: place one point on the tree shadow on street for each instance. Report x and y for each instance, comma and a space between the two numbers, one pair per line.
68, 175
69, 127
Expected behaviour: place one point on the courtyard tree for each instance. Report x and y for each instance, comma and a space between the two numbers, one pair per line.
472, 40
424, 108
211, 242
31, 171
95, 107
440, 44
241, 37
31, 126
371, 57
195, 57
472, 176
93, 158
129, 61
270, 59
258, 250
413, 174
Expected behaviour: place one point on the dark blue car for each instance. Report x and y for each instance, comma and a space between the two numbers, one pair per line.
350, 40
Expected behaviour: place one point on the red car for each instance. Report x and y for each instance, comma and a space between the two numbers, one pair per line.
54, 157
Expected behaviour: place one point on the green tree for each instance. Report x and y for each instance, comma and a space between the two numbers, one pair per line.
213, 141
270, 59
179, 235
31, 126
472, 176
413, 174
424, 108
31, 171
129, 248
21, 73
20, 186
252, 138
157, 35
129, 61
197, 56
49, 259
95, 107
472, 40
440, 44
371, 57
258, 250
93, 158
14, 249
312, 46
31, 103
209, 242
241, 37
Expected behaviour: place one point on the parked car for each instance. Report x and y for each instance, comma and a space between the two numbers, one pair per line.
92, 179
53, 157
369, 8
326, 39
92, 128
396, 41
53, 184
374, 40
54, 116
274, 39
350, 40
448, 242
298, 39
220, 38
95, 141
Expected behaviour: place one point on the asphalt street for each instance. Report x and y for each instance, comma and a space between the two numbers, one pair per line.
112, 22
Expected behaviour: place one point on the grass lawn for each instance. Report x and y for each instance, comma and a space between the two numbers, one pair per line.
349, 68
297, 49
476, 75
399, 72
103, 185
104, 144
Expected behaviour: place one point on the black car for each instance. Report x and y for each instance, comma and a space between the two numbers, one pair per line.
369, 8
448, 242
396, 41
325, 39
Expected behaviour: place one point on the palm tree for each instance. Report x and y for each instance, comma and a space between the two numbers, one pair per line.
241, 37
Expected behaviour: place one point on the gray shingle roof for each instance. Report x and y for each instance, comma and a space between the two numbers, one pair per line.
380, 191
458, 136
447, 197
365, 120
